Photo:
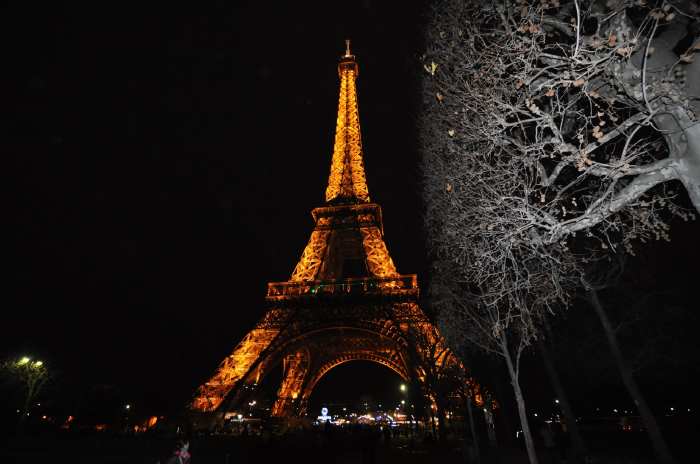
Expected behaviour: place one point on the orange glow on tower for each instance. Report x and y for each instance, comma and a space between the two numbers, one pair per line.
346, 182
345, 300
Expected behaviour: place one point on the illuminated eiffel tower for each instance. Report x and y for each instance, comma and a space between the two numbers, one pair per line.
344, 301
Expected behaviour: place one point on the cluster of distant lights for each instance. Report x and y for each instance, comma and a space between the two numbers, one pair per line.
127, 407
402, 387
25, 360
623, 411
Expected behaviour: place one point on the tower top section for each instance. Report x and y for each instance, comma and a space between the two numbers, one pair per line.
346, 182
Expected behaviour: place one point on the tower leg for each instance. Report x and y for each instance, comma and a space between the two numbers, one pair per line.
296, 367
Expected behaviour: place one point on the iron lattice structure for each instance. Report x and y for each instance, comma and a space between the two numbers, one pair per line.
344, 301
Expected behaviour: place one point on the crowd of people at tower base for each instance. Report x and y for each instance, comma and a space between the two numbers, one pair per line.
324, 438
367, 440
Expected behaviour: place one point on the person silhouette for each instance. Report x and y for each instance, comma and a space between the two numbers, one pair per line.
181, 455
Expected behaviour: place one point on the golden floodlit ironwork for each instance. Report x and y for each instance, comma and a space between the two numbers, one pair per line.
346, 182
345, 300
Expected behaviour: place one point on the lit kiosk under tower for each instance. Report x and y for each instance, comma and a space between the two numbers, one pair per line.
344, 301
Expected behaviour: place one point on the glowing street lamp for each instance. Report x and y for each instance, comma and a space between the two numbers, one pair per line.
33, 375
402, 387
26, 361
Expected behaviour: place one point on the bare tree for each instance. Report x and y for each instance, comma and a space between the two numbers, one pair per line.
505, 328
434, 361
593, 104
551, 133
595, 282
32, 376
579, 445
469, 394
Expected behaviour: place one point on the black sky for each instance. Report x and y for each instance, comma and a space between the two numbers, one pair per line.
163, 163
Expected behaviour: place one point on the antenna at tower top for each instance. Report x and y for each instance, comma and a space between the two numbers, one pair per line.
347, 47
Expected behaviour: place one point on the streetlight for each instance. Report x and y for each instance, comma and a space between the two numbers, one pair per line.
402, 387
33, 375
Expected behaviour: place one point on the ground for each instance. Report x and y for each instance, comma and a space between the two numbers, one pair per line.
336, 446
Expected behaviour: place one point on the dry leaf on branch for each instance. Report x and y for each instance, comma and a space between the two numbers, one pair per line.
597, 133
657, 14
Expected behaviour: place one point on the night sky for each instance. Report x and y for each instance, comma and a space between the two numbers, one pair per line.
163, 164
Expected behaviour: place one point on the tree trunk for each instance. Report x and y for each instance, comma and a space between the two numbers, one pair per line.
571, 425
661, 450
683, 139
442, 425
520, 400
432, 422
25, 410
475, 438
504, 418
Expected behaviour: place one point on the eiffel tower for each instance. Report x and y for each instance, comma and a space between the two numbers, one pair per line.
344, 301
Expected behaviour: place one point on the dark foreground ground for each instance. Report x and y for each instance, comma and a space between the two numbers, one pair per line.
303, 447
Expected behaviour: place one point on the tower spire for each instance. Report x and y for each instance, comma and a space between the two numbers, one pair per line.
346, 182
